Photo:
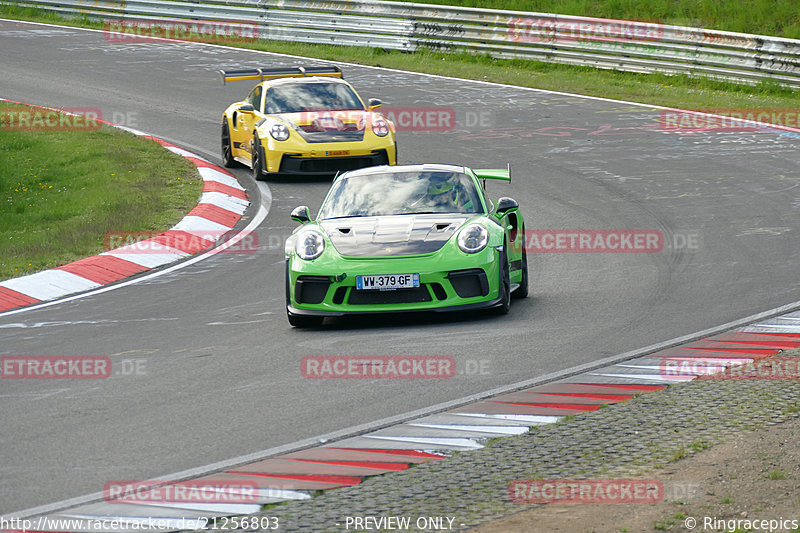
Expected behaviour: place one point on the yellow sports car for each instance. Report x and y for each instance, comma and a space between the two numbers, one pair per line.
304, 121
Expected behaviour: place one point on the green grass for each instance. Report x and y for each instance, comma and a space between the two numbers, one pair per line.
777, 474
61, 192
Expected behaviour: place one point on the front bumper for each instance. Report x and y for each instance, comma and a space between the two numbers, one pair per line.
295, 157
468, 287
297, 164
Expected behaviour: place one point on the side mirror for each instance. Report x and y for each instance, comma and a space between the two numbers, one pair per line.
246, 108
506, 204
374, 103
300, 214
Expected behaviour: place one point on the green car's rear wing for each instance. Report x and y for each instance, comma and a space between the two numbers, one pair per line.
285, 72
503, 174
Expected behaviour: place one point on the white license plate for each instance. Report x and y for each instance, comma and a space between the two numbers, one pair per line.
387, 282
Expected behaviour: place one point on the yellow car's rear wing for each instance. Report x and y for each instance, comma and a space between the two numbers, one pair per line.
283, 72
503, 174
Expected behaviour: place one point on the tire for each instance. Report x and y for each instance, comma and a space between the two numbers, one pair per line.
505, 285
227, 148
257, 163
522, 290
302, 321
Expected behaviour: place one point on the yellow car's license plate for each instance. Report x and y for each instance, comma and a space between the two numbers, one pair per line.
337, 153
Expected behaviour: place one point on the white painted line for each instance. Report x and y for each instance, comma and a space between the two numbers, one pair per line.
534, 419
505, 430
447, 442
728, 361
130, 130
647, 377
229, 203
282, 494
49, 284
185, 153
783, 328
222, 508
148, 260
192, 223
668, 368
145, 247
212, 174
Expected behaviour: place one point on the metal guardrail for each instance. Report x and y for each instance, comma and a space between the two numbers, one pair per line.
604, 43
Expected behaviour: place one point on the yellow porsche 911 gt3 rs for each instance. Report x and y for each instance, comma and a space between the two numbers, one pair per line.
304, 121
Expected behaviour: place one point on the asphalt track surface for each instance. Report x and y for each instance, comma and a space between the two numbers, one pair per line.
220, 366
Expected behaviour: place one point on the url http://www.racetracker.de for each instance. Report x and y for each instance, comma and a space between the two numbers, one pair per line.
44, 523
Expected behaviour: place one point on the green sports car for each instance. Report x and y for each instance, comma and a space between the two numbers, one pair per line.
406, 238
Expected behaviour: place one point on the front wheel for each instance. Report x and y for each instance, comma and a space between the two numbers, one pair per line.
522, 290
257, 160
227, 148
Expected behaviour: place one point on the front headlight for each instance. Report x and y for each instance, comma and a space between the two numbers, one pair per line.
279, 132
309, 244
473, 238
379, 126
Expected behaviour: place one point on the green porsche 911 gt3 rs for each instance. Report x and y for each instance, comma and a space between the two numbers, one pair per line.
406, 238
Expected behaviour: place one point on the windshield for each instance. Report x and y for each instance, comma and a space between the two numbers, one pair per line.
401, 193
296, 98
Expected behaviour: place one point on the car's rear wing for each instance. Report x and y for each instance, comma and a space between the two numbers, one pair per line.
503, 174
282, 72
